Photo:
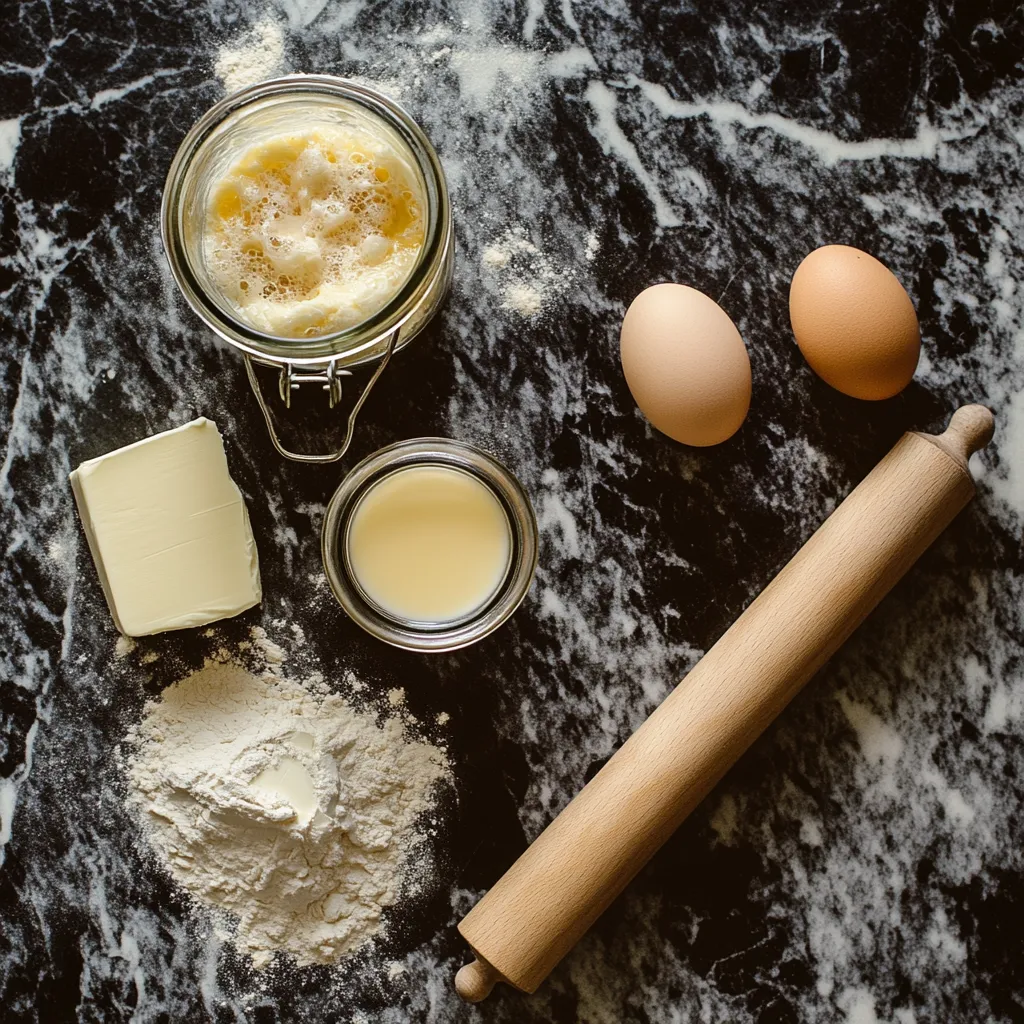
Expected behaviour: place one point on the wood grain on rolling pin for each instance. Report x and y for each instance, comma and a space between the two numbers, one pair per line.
556, 890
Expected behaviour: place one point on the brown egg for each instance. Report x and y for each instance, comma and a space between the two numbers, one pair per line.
685, 364
854, 322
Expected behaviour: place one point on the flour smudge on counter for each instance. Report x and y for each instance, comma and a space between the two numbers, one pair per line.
259, 54
530, 277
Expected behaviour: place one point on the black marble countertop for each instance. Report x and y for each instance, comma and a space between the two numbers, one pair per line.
862, 863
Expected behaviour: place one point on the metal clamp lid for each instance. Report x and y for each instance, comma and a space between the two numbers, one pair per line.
330, 378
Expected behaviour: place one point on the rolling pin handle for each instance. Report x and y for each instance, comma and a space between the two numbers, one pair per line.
969, 430
475, 981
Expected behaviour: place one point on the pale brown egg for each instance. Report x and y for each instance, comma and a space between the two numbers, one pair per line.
854, 322
685, 364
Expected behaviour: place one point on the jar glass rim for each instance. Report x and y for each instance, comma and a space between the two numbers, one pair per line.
359, 341
441, 636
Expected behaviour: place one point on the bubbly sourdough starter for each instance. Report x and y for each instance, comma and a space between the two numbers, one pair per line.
314, 231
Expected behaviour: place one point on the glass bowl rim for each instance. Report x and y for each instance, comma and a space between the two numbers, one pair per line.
439, 637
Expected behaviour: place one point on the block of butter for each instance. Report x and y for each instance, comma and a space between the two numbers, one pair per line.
169, 531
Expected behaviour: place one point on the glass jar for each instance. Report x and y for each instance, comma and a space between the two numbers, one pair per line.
418, 635
260, 112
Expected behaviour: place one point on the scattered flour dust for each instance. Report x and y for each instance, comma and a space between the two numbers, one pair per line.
271, 652
278, 803
530, 277
525, 299
124, 646
259, 54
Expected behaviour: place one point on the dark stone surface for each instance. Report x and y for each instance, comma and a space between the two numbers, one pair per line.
863, 861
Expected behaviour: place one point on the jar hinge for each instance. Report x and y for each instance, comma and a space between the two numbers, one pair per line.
290, 379
330, 378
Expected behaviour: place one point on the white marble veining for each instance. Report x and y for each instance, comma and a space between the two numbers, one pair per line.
863, 862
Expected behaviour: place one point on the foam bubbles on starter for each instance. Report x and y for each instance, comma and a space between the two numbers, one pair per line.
313, 232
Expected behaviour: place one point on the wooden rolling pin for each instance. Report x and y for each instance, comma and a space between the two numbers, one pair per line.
557, 889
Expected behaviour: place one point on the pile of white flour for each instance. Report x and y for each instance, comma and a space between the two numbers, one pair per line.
282, 806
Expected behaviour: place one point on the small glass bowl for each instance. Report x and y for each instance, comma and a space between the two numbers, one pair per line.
446, 635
